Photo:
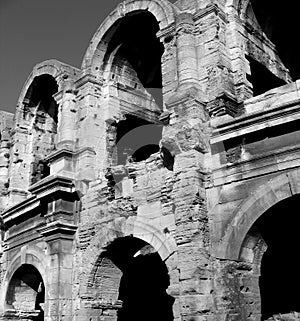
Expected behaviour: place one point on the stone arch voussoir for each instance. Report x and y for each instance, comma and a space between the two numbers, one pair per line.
51, 67
32, 256
163, 10
164, 244
259, 201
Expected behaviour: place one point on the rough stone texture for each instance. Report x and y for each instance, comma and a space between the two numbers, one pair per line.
6, 125
187, 209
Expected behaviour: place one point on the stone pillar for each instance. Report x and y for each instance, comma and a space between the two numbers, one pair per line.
4, 165
187, 138
240, 65
215, 70
20, 162
92, 112
169, 61
59, 237
67, 116
186, 51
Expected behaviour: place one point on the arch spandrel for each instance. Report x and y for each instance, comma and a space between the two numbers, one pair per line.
263, 198
163, 11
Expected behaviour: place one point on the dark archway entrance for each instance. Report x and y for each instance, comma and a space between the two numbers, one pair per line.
131, 271
280, 278
143, 289
26, 292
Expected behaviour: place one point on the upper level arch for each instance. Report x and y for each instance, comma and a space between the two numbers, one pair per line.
36, 121
276, 23
162, 10
263, 32
126, 53
263, 198
52, 68
130, 52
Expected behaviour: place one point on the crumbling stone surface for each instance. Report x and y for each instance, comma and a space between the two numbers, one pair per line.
142, 186
6, 125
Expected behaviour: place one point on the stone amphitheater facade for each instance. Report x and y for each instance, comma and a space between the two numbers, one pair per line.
159, 181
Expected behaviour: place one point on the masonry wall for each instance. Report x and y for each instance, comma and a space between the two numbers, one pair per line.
224, 157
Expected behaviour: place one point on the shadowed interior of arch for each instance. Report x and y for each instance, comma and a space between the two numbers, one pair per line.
280, 279
132, 57
133, 144
41, 109
40, 94
26, 291
131, 271
261, 78
280, 23
139, 52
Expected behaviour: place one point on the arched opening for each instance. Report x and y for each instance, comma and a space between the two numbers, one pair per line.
136, 139
261, 78
132, 60
40, 108
279, 278
136, 52
131, 273
271, 53
26, 292
280, 23
40, 94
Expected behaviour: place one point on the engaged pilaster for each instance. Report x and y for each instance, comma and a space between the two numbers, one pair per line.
67, 116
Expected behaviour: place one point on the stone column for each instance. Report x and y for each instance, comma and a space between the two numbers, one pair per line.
187, 138
4, 168
186, 51
59, 237
240, 65
66, 99
92, 112
19, 164
169, 62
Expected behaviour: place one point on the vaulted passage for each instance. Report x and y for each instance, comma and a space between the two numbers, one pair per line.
280, 277
132, 272
26, 292
280, 23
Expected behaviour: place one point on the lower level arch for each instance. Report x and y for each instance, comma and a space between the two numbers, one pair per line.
128, 280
